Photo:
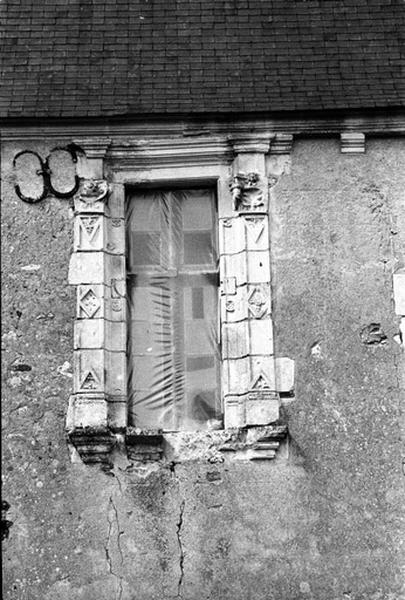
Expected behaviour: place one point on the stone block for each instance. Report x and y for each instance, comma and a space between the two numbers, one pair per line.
87, 267
284, 374
234, 265
261, 336
236, 375
90, 301
258, 267
258, 301
89, 333
261, 408
225, 201
232, 235
234, 307
115, 241
239, 375
235, 340
88, 371
256, 232
116, 302
233, 412
88, 411
399, 293
89, 233
116, 270
249, 161
117, 414
116, 201
116, 373
116, 336
247, 267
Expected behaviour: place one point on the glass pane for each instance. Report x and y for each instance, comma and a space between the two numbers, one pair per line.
198, 249
197, 210
144, 249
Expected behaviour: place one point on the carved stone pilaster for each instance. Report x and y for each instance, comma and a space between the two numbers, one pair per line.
97, 268
247, 328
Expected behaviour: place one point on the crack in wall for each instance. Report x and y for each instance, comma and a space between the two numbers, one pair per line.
181, 557
112, 524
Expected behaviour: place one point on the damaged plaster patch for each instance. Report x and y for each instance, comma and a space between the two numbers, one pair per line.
64, 369
316, 350
5, 524
373, 335
181, 558
30, 268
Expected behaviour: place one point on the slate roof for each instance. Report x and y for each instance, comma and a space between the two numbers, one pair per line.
78, 58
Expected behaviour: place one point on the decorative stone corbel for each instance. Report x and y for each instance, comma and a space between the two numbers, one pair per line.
352, 142
93, 444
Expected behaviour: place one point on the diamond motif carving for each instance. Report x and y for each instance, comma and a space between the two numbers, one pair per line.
89, 303
258, 302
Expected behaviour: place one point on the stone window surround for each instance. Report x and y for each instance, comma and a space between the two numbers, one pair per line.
252, 377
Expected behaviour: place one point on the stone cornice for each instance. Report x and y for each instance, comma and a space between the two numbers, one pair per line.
383, 124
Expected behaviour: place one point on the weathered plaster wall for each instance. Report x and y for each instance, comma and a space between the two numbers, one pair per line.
322, 520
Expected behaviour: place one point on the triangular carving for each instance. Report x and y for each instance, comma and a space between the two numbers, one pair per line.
90, 381
261, 382
255, 227
90, 226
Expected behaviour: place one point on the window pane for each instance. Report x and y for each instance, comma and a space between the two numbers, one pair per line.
173, 353
198, 249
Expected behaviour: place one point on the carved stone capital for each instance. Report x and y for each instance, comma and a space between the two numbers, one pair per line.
94, 147
93, 190
248, 144
249, 193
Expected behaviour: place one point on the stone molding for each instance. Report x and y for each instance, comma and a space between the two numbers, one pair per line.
352, 143
383, 123
94, 147
282, 143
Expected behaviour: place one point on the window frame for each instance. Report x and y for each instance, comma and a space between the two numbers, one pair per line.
250, 398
